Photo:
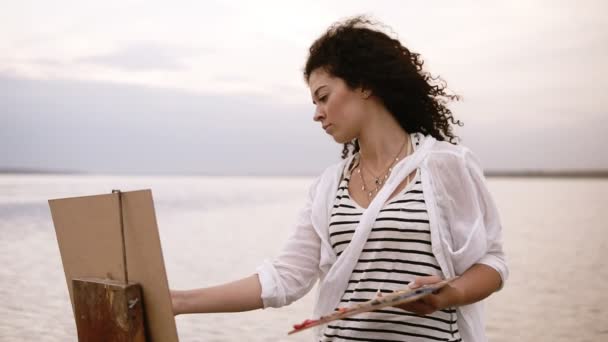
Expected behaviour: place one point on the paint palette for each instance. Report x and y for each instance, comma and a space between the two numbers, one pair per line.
396, 298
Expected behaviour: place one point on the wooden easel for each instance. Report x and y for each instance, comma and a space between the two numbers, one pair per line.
114, 267
107, 310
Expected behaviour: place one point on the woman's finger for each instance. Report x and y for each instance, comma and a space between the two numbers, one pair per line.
417, 307
432, 301
427, 280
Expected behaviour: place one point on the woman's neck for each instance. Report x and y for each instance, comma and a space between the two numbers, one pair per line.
381, 140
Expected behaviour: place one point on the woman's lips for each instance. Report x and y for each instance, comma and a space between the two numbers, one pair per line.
326, 127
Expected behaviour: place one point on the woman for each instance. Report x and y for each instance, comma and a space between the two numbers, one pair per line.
405, 207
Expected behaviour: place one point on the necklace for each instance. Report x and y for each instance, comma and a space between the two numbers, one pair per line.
380, 180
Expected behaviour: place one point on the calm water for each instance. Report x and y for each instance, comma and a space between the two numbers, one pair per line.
219, 229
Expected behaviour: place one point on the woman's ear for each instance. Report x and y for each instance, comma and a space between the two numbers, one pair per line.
365, 93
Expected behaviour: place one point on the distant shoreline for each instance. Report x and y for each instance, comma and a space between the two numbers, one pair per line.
548, 174
40, 172
488, 173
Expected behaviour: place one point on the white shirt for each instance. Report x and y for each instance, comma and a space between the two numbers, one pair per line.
464, 222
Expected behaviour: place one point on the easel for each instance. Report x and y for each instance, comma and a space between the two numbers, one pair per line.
108, 310
97, 242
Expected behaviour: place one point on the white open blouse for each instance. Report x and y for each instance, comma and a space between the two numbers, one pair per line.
464, 222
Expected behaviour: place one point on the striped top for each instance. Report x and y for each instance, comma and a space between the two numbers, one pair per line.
397, 250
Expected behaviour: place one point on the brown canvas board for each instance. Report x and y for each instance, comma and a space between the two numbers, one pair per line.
91, 245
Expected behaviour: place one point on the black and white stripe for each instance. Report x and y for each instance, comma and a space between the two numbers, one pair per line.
397, 250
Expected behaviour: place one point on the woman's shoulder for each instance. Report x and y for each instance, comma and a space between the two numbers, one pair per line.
445, 148
453, 157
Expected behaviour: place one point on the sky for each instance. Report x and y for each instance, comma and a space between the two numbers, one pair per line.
216, 87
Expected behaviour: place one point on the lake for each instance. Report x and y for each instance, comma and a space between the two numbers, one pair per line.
216, 229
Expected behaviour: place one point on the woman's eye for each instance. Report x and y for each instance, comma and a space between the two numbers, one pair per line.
323, 98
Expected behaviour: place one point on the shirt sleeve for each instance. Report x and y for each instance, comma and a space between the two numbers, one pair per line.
474, 233
494, 255
294, 271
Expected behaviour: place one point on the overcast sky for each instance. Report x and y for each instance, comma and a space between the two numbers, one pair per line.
215, 87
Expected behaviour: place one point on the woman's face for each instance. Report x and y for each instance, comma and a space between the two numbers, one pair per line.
339, 109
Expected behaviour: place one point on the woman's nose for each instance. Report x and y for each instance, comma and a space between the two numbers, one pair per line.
319, 114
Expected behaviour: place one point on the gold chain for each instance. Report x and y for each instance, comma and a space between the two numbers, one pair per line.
380, 180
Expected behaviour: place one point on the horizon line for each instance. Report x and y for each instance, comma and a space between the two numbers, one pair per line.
493, 173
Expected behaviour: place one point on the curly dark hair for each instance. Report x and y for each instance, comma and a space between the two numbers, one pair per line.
365, 57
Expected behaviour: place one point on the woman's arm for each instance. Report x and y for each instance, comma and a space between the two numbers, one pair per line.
277, 282
475, 284
240, 295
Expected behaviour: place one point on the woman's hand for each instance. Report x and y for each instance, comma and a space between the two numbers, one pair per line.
445, 297
473, 285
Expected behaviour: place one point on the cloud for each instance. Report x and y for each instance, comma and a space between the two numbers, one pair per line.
113, 128
231, 78
141, 56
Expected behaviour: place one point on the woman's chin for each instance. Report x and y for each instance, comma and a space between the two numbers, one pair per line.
337, 139
341, 139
